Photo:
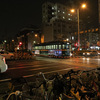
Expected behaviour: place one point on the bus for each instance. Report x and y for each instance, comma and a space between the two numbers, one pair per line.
54, 48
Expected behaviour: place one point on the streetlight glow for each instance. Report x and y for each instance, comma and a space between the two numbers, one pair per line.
72, 10
35, 35
83, 5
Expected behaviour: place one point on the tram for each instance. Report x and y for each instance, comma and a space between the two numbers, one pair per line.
54, 48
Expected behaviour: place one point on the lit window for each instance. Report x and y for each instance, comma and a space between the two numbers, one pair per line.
34, 41
69, 18
52, 47
39, 47
52, 7
63, 17
36, 47
56, 47
59, 46
69, 14
66, 46
58, 10
72, 37
63, 46
52, 13
46, 47
63, 12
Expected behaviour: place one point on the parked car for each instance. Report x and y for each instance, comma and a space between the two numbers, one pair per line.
7, 54
3, 65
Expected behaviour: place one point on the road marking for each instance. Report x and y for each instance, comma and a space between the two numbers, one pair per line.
9, 79
5, 80
43, 68
36, 67
49, 72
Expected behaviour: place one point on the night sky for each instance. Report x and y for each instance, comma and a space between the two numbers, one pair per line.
17, 14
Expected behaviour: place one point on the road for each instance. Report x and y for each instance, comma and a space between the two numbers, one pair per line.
28, 68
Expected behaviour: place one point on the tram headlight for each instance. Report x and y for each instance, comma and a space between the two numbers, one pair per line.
88, 53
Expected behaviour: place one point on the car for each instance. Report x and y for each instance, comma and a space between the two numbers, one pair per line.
7, 54
3, 65
90, 53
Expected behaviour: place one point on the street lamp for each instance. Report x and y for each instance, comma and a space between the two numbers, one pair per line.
72, 10
36, 35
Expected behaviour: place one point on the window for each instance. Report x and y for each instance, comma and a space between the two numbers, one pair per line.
59, 46
46, 47
63, 46
52, 46
36, 47
69, 18
52, 7
43, 47
72, 37
63, 17
52, 13
58, 10
56, 47
39, 47
63, 12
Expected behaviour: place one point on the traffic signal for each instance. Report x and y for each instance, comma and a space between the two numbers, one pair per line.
20, 43
76, 44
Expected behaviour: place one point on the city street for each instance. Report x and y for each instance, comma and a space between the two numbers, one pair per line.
29, 68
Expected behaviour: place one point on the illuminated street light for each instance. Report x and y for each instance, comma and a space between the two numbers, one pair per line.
12, 40
5, 41
35, 35
83, 6
67, 39
72, 10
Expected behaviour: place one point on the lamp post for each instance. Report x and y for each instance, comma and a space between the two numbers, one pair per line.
78, 30
72, 10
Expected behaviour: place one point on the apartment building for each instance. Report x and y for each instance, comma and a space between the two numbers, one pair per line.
58, 22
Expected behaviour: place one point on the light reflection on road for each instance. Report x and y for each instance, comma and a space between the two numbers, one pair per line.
92, 62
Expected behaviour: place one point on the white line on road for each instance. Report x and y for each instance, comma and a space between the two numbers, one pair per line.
9, 79
48, 72
33, 66
5, 80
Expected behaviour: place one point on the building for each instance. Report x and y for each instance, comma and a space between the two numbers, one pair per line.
60, 24
57, 22
27, 38
53, 11
99, 17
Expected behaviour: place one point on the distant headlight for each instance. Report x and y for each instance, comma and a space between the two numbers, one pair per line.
98, 53
83, 53
71, 54
88, 53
